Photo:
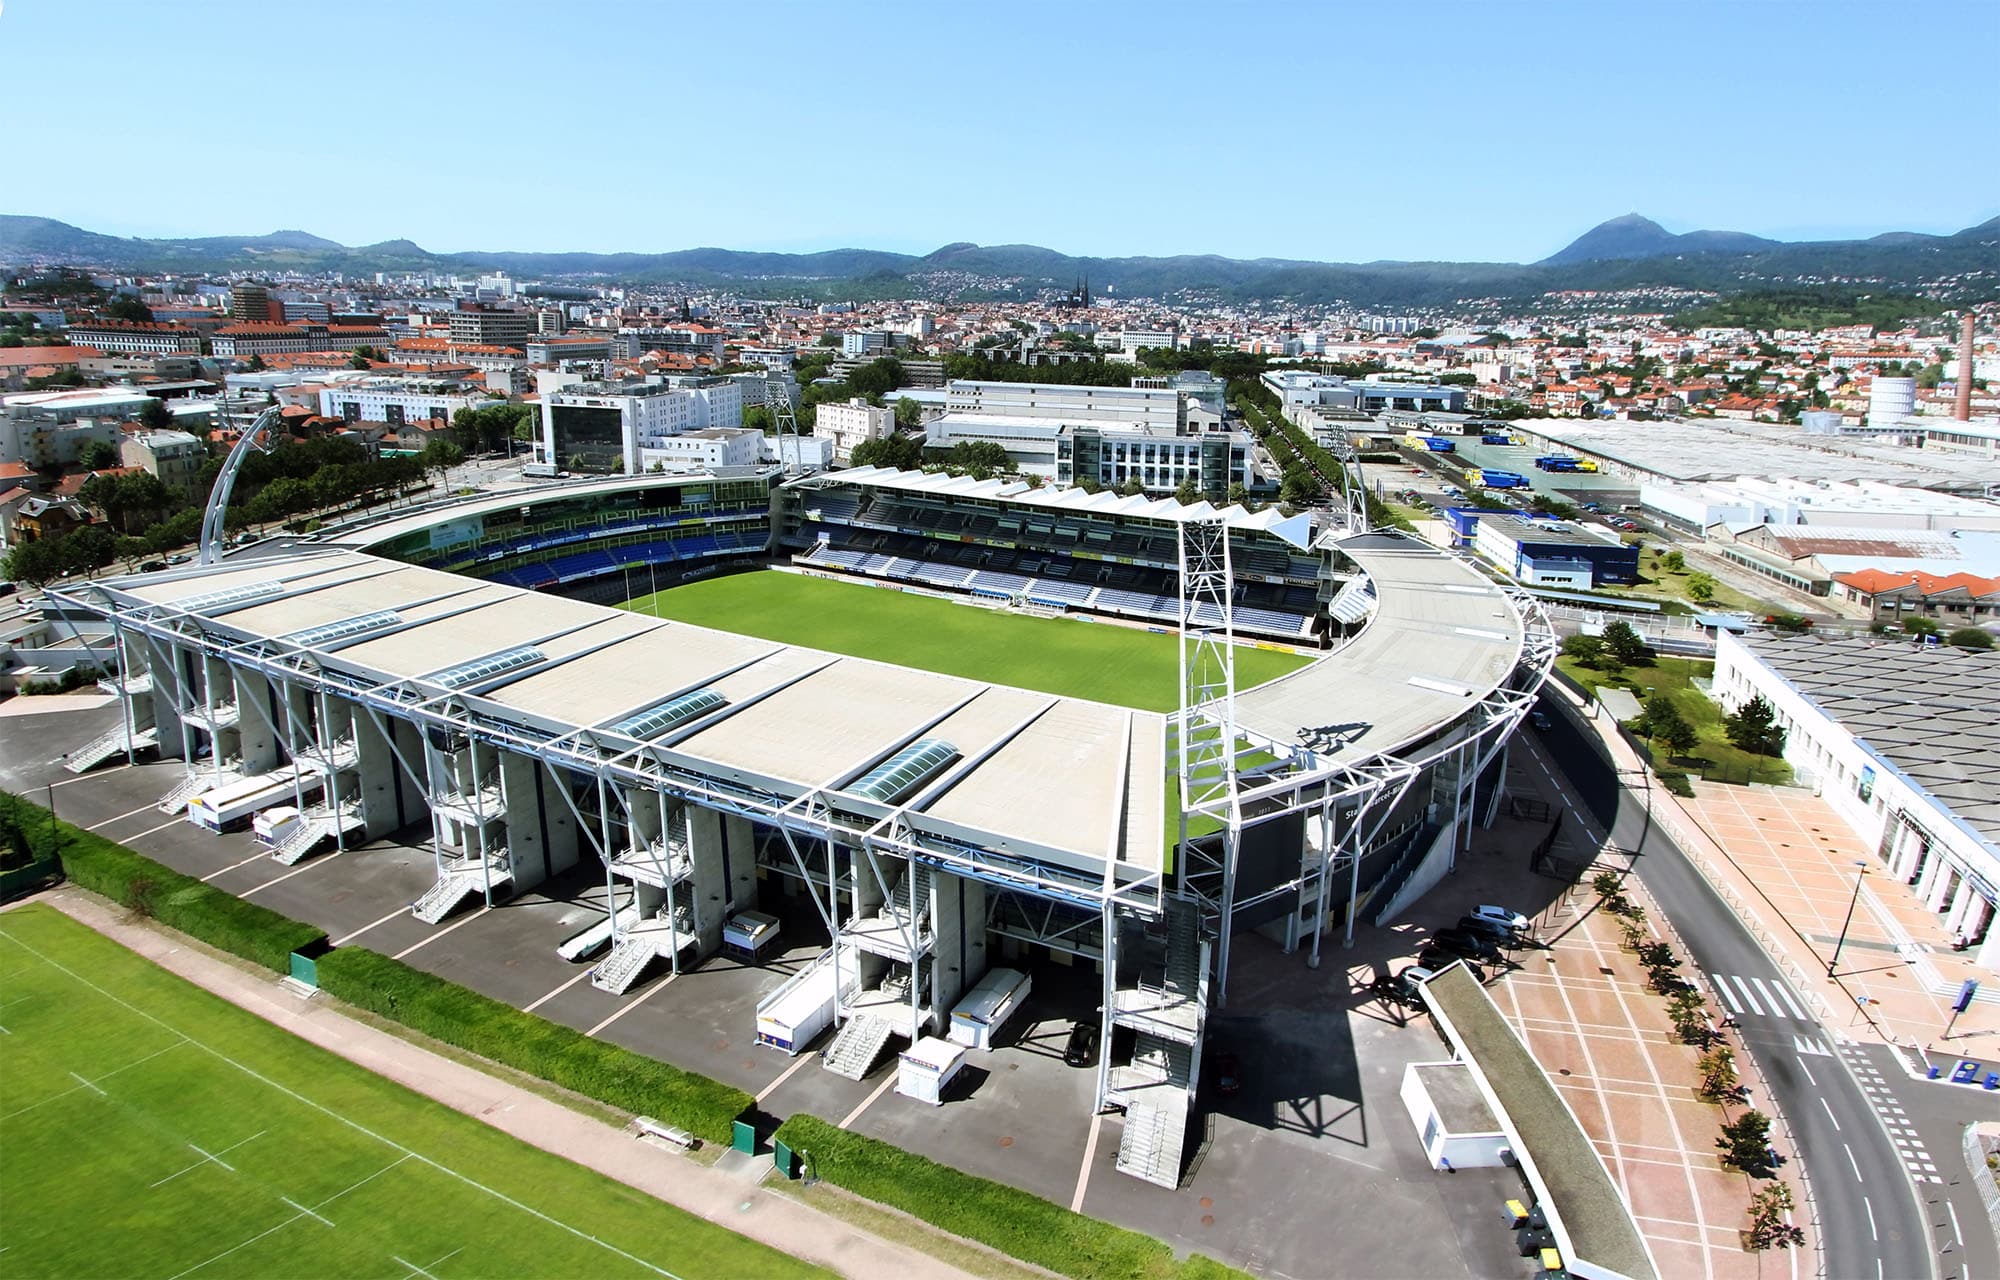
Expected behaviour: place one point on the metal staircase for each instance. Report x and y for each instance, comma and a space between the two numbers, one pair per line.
1154, 1138
190, 786
451, 889
317, 825
856, 1047
114, 741
619, 970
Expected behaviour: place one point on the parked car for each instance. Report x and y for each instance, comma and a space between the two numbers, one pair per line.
1410, 979
1499, 934
1081, 1051
1466, 944
1228, 1074
1435, 958
1501, 915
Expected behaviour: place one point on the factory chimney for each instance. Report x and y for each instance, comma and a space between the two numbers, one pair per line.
1963, 410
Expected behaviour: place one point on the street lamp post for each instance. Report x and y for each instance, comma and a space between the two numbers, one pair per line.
1842, 939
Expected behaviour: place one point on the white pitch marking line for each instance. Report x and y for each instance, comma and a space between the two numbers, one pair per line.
1083, 1174
438, 1262
869, 1101
772, 1087
415, 1270
341, 942
336, 1116
459, 924
87, 1084
207, 1156
302, 1209
1829, 1112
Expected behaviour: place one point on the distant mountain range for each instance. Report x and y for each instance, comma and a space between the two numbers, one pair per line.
1624, 253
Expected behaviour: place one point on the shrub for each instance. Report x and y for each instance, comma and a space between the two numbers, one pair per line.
1676, 781
1006, 1218
477, 1024
180, 902
1970, 638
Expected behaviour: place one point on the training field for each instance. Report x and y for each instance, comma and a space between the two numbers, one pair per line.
1067, 656
149, 1129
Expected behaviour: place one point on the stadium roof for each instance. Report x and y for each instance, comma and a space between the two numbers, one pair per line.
1296, 530
368, 533
1072, 782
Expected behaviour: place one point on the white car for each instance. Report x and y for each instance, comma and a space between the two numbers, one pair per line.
1501, 916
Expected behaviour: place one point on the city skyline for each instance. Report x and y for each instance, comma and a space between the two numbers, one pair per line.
1145, 143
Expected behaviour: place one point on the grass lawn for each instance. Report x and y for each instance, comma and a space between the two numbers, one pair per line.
152, 1129
1065, 656
1657, 582
1714, 755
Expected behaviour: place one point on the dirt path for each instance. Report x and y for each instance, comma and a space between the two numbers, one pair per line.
728, 1199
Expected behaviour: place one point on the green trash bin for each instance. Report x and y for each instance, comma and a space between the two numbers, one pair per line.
744, 1138
786, 1159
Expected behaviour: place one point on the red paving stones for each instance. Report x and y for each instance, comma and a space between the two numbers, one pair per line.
1606, 1041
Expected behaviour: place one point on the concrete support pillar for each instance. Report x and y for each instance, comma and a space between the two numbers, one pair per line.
1927, 881
740, 843
1942, 886
711, 877
1978, 915
526, 845
1903, 853
958, 927
166, 693
1961, 904
256, 711
560, 837
388, 801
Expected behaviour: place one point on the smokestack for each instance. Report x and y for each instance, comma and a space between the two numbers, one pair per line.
1963, 411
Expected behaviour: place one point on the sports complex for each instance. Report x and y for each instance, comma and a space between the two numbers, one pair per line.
943, 732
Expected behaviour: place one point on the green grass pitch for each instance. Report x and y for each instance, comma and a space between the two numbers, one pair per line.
148, 1128
1066, 656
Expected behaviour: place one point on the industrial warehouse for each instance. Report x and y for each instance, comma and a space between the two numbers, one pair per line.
424, 672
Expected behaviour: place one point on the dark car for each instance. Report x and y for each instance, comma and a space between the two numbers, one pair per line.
1464, 942
1081, 1051
1492, 930
1228, 1074
1435, 958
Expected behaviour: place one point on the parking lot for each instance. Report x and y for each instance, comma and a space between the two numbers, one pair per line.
1313, 1159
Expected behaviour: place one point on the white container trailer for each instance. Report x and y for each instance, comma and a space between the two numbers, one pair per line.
228, 805
274, 824
926, 1068
792, 1015
986, 1008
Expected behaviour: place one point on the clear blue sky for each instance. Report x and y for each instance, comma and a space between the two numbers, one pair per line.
1311, 130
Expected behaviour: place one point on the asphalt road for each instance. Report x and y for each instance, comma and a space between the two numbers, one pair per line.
1871, 1218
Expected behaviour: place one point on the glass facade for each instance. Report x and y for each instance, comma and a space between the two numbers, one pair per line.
587, 438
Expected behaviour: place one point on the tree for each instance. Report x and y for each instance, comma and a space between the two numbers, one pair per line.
1674, 562
37, 563
440, 456
1587, 650
1717, 1066
127, 307
1663, 722
1754, 727
909, 413
1132, 488
256, 363
1746, 1142
758, 417
1921, 626
156, 416
1188, 493
904, 453
1701, 587
98, 455
1769, 1226
1970, 638
1625, 644
1238, 495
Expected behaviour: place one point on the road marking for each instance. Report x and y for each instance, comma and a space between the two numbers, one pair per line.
1807, 1044
1769, 999
1829, 1112
121, 817
341, 942
630, 1005
92, 776
1872, 1233
261, 853
316, 862
1784, 991
530, 1008
1749, 997
1089, 1153
1956, 1234
772, 1087
1852, 1163
880, 1089
1722, 990
417, 946
1809, 1075
152, 830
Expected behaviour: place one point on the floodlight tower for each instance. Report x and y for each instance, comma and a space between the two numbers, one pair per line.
1205, 724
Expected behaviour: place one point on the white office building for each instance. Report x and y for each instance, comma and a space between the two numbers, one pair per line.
605, 427
396, 400
854, 423
703, 450
1156, 408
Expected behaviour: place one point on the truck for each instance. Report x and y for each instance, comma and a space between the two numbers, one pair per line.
1496, 437
1586, 464
1502, 479
235, 803
1440, 444
1556, 462
541, 471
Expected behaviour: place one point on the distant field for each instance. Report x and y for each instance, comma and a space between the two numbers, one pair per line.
1065, 656
148, 1128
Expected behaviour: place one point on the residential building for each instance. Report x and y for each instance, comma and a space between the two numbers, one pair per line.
174, 458
553, 349
134, 336
396, 400
703, 450
49, 429
251, 304
851, 424
480, 325
696, 341
869, 343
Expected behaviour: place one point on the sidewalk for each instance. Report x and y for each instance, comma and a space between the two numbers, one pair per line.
1785, 862
724, 1198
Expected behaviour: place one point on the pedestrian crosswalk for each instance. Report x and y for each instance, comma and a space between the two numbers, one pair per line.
1811, 1047
1910, 1148
1757, 997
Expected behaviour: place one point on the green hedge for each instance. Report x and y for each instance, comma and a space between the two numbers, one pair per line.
220, 919
1013, 1221
446, 1011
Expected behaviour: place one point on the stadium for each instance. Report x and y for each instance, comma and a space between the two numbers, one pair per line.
1294, 726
